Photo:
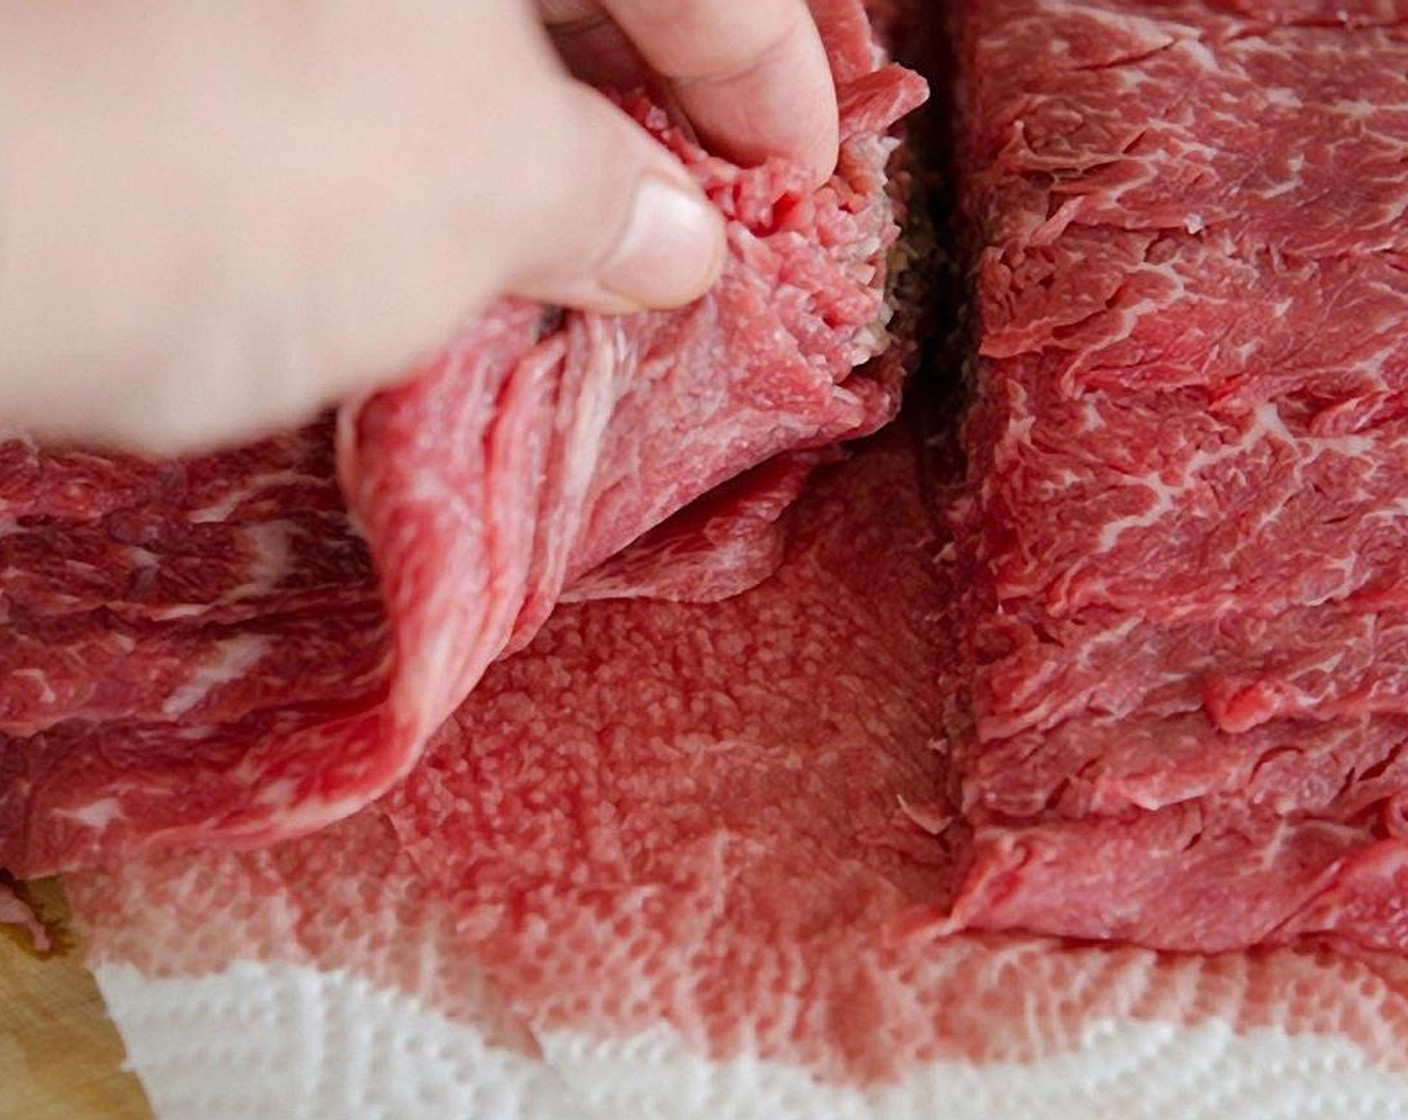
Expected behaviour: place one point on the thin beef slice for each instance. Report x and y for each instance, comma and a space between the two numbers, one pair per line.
249, 645
1181, 717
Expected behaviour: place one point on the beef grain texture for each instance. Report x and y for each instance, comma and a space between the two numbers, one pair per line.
249, 645
1184, 538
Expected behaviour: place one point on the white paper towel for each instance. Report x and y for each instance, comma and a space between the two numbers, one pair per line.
303, 1044
324, 980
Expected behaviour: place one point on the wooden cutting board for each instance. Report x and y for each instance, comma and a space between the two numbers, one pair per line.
60, 1055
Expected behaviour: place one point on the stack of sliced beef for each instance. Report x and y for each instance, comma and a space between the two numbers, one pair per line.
1186, 536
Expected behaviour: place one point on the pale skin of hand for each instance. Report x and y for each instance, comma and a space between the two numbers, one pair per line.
218, 218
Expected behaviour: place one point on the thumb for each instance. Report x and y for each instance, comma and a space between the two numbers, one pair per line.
624, 226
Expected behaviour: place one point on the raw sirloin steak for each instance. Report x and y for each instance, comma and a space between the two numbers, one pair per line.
249, 645
1185, 543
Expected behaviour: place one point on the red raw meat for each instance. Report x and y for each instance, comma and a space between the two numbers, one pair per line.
1184, 706
207, 650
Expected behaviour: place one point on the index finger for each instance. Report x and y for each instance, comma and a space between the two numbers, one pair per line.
752, 75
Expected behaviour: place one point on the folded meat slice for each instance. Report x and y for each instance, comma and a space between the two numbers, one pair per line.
224, 649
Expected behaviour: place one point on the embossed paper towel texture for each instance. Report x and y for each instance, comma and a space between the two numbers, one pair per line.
707, 902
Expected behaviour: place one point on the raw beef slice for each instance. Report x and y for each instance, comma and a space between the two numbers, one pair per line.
1184, 701
660, 865
252, 644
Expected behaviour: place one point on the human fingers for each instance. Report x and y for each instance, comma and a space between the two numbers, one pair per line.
627, 227
216, 219
751, 75
591, 44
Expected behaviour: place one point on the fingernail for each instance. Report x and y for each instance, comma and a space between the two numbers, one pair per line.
671, 250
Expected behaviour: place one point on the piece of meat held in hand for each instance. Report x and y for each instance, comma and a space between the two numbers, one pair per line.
249, 645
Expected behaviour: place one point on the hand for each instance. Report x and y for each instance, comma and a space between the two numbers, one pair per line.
219, 218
